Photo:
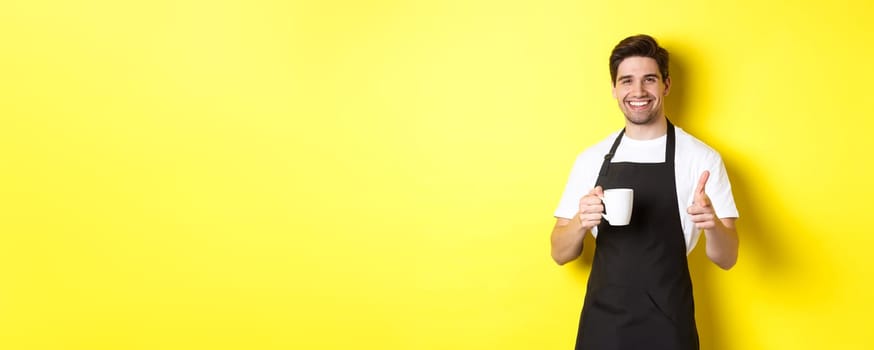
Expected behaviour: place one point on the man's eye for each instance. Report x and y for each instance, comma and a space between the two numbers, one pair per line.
650, 80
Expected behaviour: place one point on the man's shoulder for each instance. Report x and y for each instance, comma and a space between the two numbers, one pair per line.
694, 147
599, 149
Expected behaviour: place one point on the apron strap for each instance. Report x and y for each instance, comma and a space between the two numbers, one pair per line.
670, 146
607, 157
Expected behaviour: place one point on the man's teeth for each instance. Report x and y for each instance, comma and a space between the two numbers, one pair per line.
638, 103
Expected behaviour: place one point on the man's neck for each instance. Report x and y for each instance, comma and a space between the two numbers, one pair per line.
656, 129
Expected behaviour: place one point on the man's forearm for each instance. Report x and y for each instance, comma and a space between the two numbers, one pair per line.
722, 243
567, 240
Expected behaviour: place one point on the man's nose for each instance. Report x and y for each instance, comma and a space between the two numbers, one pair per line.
637, 88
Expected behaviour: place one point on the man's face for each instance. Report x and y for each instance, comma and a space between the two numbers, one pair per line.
640, 90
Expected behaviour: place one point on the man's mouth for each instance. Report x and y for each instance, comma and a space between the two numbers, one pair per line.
639, 104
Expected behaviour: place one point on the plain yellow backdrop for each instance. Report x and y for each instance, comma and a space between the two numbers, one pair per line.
382, 174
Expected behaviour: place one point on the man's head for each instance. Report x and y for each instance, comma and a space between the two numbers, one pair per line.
639, 46
639, 69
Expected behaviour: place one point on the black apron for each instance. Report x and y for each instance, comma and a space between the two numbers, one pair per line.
639, 294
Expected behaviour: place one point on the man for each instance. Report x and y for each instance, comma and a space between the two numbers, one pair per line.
639, 294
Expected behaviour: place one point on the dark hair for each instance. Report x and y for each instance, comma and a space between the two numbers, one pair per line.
641, 45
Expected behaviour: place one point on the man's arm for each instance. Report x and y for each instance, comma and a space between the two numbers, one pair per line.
722, 243
567, 234
721, 235
567, 240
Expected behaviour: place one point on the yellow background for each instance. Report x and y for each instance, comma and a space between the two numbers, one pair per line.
382, 174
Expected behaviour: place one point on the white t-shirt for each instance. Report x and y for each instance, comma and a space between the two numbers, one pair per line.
691, 158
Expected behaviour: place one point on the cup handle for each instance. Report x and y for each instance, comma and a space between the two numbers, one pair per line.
604, 215
605, 206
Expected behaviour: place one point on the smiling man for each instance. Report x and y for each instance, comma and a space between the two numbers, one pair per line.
639, 294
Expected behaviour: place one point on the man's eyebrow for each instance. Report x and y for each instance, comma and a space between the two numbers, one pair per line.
629, 76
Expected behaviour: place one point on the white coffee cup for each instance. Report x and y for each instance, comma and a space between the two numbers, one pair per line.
617, 206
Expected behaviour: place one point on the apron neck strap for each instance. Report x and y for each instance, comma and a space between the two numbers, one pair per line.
670, 147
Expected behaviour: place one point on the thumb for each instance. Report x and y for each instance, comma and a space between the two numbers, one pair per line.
598, 191
702, 181
700, 196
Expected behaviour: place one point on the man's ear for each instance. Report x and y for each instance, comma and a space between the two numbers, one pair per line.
613, 90
667, 85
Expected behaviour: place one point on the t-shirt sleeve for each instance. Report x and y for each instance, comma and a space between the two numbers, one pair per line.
580, 182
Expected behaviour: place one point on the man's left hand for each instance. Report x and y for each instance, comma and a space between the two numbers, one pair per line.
701, 210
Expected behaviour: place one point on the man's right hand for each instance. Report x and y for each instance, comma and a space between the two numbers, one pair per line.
591, 209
